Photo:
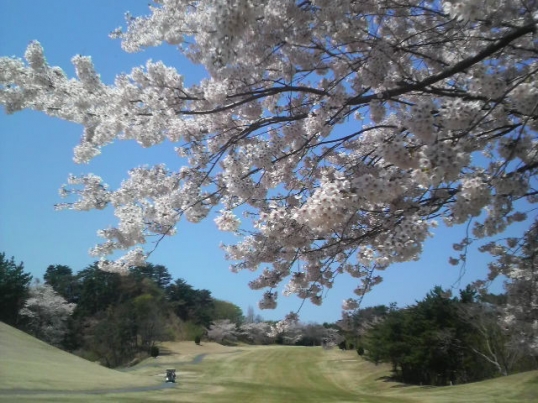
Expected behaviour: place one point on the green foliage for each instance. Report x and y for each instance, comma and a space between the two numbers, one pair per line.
157, 273
432, 342
154, 351
191, 304
62, 280
150, 322
117, 317
114, 337
14, 284
190, 330
98, 290
226, 310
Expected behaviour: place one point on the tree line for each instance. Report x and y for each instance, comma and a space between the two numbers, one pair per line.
106, 316
443, 340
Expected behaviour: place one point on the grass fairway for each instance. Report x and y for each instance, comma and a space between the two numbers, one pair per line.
31, 371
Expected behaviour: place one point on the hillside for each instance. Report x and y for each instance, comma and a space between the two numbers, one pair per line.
30, 364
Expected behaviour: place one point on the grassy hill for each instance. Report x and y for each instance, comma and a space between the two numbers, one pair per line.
32, 371
28, 363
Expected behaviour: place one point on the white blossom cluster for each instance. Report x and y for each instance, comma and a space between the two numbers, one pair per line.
517, 260
223, 330
227, 221
45, 313
341, 129
257, 332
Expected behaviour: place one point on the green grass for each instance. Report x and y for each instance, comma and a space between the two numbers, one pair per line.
230, 374
27, 363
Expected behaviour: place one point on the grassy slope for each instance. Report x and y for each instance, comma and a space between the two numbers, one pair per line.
236, 374
27, 363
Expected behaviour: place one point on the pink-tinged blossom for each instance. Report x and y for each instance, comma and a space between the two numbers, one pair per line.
341, 146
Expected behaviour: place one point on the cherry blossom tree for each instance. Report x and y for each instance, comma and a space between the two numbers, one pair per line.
223, 330
517, 260
45, 313
329, 136
257, 332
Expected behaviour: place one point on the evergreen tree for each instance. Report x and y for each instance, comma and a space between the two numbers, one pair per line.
14, 284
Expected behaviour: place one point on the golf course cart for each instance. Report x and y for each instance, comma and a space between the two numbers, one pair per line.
170, 376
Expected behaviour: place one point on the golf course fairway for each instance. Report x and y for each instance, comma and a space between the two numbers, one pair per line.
32, 371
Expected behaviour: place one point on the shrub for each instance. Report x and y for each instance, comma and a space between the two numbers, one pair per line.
154, 351
197, 340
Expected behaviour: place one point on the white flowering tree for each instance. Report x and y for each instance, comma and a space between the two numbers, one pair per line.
257, 332
223, 330
517, 260
45, 314
339, 130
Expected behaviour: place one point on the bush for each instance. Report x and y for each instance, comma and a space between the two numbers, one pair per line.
154, 351
360, 350
197, 340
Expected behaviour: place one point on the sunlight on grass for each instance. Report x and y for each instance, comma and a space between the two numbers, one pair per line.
27, 363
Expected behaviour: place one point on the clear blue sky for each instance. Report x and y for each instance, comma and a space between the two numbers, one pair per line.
36, 158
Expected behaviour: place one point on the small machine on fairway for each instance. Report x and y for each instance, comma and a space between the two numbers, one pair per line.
170, 376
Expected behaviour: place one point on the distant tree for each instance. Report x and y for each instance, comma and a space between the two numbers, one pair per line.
314, 334
182, 296
45, 314
202, 311
443, 339
227, 310
98, 289
333, 338
150, 320
223, 331
249, 318
113, 337
468, 295
14, 284
157, 273
191, 304
288, 331
360, 321
62, 280
256, 333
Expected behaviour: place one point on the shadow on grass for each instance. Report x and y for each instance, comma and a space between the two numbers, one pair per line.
399, 385
165, 351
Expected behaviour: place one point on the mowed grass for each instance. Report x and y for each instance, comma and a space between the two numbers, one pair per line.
28, 363
214, 373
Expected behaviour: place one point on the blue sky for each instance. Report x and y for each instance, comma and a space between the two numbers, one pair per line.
36, 158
